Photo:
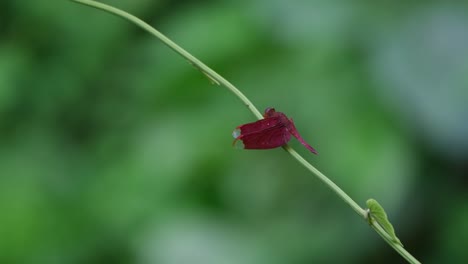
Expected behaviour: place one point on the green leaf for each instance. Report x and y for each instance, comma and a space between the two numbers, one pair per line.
378, 213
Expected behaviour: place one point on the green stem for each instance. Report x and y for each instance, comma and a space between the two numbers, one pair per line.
218, 79
327, 181
397, 247
214, 76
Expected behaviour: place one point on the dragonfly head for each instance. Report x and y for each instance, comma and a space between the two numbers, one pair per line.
269, 112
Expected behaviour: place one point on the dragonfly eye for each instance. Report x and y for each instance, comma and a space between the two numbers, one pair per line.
269, 111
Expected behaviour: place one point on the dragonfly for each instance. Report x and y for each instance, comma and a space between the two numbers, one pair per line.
273, 131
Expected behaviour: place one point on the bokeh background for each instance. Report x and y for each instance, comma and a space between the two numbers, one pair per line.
113, 149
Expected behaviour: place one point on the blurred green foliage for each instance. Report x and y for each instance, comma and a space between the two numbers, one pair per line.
114, 150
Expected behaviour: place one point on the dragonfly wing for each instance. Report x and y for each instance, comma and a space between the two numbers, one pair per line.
263, 134
256, 126
269, 138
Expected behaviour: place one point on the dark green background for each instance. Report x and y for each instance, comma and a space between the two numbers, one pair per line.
113, 149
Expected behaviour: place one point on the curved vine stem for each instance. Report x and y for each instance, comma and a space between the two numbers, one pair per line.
219, 80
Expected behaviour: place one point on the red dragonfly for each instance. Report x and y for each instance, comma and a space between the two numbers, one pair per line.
273, 131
